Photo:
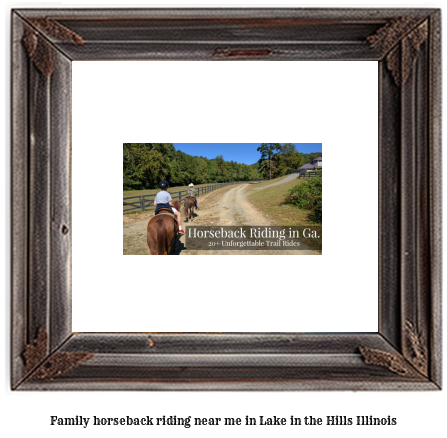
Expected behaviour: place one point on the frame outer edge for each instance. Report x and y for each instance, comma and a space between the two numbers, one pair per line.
19, 199
350, 13
435, 137
23, 185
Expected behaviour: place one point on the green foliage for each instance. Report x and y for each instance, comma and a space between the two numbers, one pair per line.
277, 159
265, 162
154, 168
308, 158
316, 215
145, 164
308, 196
286, 159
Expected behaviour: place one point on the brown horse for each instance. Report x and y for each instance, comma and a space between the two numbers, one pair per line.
189, 208
162, 230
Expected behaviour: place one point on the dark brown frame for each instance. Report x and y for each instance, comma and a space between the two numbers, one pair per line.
405, 354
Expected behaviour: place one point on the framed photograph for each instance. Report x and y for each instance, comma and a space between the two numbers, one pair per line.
217, 335
234, 181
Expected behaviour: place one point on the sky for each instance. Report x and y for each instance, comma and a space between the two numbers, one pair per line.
240, 152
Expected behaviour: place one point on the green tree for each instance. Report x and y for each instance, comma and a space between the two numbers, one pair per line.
308, 158
267, 150
222, 175
203, 171
132, 175
213, 170
154, 168
287, 158
145, 164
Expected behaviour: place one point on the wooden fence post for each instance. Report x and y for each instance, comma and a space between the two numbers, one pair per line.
142, 203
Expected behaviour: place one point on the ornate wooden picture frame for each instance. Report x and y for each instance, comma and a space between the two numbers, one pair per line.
405, 354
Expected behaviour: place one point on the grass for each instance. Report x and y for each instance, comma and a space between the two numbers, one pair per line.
269, 181
130, 193
270, 202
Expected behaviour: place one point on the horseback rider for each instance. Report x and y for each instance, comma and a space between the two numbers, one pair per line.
163, 200
192, 194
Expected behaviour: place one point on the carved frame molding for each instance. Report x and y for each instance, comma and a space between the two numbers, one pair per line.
406, 352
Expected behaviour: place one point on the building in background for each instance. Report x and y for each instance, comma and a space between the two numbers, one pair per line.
318, 163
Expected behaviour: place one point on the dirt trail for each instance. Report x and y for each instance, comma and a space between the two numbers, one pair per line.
234, 209
284, 180
222, 207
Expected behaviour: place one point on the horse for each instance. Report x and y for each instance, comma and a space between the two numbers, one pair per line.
189, 208
162, 230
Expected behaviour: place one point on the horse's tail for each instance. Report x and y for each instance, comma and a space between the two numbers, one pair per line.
186, 205
161, 237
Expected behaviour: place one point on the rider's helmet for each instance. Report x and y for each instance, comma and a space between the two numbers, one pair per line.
163, 185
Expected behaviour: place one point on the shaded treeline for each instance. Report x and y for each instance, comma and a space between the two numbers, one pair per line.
145, 164
277, 159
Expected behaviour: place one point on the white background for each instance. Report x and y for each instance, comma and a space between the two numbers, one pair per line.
333, 103
418, 414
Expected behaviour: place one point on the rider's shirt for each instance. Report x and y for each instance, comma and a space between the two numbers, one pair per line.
163, 197
191, 192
